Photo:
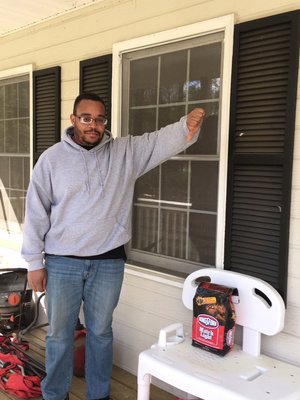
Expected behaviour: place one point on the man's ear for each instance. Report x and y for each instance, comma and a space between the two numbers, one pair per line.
72, 119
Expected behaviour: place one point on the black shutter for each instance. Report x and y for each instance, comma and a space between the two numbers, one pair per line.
95, 77
262, 124
46, 109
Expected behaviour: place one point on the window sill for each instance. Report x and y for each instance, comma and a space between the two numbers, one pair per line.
154, 275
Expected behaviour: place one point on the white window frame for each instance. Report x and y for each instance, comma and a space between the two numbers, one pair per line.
223, 24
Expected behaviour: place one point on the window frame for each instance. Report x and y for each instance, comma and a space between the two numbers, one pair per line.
224, 24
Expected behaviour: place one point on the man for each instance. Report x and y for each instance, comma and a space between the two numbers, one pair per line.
77, 220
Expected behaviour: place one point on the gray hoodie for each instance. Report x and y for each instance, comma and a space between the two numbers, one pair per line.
79, 201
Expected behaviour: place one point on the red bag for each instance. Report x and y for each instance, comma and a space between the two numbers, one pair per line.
14, 382
214, 318
79, 352
26, 387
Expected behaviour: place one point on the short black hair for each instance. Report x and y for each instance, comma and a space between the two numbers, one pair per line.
87, 96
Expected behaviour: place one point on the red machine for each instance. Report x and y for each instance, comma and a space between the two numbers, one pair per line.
16, 303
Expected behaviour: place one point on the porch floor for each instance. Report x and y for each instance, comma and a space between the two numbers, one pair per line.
123, 384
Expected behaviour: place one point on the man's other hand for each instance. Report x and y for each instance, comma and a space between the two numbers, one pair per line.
37, 280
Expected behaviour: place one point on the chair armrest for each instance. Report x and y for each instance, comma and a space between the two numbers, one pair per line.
165, 340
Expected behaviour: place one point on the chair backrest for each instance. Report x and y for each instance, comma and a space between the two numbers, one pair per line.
259, 309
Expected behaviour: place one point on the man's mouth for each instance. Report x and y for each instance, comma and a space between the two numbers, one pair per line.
92, 133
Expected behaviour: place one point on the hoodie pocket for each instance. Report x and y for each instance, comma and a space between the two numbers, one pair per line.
95, 235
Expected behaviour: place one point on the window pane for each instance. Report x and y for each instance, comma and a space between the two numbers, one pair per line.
147, 187
16, 173
173, 79
24, 142
202, 238
143, 82
11, 136
204, 82
167, 115
204, 185
4, 171
142, 120
23, 99
1, 136
1, 102
174, 181
173, 233
144, 229
11, 101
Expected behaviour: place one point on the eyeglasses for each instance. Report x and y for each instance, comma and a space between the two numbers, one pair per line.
87, 120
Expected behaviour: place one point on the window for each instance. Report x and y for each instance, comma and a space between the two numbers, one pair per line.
14, 148
178, 213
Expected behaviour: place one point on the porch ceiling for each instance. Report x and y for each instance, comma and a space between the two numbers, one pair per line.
19, 14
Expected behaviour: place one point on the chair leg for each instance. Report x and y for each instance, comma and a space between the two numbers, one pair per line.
144, 388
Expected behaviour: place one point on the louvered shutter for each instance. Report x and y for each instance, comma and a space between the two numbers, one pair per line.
46, 109
262, 124
95, 77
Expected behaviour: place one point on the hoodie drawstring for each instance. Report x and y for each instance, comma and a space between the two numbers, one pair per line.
88, 184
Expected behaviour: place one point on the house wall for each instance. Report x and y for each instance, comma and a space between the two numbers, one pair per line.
151, 300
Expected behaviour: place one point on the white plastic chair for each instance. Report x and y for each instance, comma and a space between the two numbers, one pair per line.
242, 374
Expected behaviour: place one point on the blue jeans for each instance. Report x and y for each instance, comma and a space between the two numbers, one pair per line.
69, 282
